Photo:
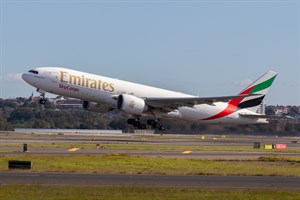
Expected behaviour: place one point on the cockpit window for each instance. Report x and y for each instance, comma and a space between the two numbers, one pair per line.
33, 71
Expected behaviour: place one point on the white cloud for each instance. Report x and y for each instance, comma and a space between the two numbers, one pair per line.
17, 77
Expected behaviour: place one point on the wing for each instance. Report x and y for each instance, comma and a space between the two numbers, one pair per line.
171, 103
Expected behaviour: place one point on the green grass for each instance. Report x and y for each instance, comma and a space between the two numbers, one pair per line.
47, 192
125, 164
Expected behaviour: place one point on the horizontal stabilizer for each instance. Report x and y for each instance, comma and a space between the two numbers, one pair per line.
266, 116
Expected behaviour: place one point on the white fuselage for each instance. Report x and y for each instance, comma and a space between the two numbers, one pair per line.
104, 90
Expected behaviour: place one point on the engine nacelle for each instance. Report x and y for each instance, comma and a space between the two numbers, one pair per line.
131, 104
96, 107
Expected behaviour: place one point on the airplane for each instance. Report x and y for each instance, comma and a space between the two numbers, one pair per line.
104, 95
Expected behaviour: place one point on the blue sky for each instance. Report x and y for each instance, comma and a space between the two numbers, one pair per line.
205, 48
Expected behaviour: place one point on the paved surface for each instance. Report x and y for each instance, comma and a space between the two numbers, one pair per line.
216, 182
11, 144
191, 140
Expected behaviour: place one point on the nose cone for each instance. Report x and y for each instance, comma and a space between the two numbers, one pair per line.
25, 77
28, 78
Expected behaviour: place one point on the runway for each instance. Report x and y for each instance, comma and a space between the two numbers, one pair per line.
212, 147
214, 182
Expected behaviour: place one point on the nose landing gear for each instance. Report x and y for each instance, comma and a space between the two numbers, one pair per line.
42, 96
42, 101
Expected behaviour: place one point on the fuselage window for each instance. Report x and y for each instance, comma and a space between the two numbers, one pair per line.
33, 71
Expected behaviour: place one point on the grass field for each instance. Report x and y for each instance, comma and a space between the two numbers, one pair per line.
125, 164
47, 192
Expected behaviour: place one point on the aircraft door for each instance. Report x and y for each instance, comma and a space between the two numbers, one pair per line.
54, 77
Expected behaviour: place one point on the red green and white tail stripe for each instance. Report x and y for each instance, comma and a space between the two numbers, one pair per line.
260, 87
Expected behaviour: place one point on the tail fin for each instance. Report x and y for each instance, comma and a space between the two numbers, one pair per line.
260, 87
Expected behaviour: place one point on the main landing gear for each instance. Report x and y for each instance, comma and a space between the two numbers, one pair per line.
136, 122
156, 124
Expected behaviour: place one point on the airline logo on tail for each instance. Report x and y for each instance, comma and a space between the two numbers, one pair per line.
259, 87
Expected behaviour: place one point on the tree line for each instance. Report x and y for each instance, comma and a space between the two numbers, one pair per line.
20, 113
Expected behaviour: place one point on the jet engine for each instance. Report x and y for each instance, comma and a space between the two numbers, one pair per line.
131, 104
96, 107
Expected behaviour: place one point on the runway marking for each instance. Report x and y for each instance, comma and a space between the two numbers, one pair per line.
186, 152
74, 149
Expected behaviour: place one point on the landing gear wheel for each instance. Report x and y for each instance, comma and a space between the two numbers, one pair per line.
131, 121
136, 123
156, 125
142, 126
161, 128
42, 101
151, 122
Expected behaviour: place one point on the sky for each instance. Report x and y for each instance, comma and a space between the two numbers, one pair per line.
205, 48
